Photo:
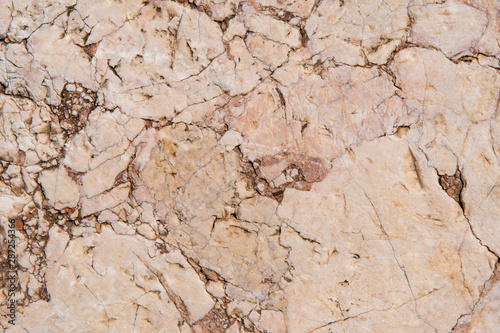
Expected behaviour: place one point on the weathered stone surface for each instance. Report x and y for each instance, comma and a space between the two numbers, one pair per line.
249, 166
89, 270
394, 221
485, 315
349, 31
59, 188
453, 27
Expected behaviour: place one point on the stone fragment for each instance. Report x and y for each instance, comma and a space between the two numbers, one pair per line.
29, 133
28, 16
453, 27
104, 201
46, 39
58, 239
272, 53
146, 231
258, 209
243, 244
188, 41
5, 18
231, 139
122, 228
269, 321
103, 176
59, 188
273, 29
349, 30
78, 153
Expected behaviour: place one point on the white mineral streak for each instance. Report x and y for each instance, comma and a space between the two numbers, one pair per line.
274, 166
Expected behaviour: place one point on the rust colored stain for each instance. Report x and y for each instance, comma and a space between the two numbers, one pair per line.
19, 224
215, 321
303, 170
452, 185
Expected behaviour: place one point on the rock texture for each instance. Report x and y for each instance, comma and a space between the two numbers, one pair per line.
275, 166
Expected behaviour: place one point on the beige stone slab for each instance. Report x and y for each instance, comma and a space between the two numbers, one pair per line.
272, 166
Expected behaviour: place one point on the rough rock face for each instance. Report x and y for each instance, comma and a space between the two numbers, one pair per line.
275, 166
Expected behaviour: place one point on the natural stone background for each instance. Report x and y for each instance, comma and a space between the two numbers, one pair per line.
251, 166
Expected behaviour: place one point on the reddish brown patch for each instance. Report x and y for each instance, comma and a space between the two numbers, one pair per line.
301, 171
43, 293
75, 107
194, 264
210, 275
68, 210
276, 12
463, 328
90, 49
162, 248
19, 224
495, 278
121, 178
131, 169
215, 321
452, 185
207, 273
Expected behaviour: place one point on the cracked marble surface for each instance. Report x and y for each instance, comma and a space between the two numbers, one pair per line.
274, 166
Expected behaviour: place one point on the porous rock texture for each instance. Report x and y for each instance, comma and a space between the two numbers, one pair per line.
279, 166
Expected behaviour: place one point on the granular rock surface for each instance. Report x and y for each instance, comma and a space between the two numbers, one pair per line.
274, 166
